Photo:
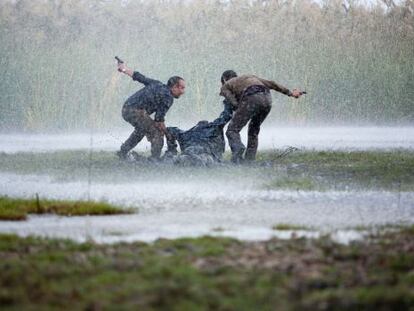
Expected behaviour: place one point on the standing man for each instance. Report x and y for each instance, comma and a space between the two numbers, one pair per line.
154, 97
251, 101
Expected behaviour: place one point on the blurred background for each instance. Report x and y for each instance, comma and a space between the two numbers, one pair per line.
58, 73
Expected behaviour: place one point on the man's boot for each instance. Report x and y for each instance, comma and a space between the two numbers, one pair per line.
122, 154
237, 156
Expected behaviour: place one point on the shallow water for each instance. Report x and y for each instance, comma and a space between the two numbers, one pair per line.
239, 207
318, 138
171, 210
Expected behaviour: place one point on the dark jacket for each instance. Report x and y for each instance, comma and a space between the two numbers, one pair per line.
204, 138
154, 97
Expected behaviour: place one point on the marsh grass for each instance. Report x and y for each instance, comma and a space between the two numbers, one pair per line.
18, 209
341, 170
209, 274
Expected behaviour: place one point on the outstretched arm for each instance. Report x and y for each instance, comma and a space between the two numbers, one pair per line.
161, 126
135, 75
280, 88
226, 115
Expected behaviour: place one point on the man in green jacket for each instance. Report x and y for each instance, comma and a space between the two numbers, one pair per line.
250, 98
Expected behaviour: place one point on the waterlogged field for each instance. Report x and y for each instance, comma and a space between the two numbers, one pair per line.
334, 180
334, 191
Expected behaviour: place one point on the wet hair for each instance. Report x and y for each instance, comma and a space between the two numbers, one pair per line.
227, 75
173, 81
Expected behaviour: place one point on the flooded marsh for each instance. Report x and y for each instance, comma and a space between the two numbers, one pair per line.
323, 220
329, 190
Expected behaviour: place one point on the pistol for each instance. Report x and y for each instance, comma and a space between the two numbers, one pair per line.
120, 61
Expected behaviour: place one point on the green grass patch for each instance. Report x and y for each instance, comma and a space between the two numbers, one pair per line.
340, 170
18, 209
209, 274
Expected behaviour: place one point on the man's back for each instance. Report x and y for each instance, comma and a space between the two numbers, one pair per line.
234, 88
205, 137
154, 97
146, 97
240, 83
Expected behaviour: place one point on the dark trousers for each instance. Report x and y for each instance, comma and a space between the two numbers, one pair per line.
144, 126
253, 108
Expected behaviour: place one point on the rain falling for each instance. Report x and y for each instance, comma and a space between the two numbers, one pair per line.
323, 89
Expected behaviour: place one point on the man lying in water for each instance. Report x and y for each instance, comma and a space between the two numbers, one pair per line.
202, 144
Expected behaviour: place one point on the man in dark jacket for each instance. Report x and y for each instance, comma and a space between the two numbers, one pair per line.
250, 100
155, 97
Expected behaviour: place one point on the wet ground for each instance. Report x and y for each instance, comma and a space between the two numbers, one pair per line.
230, 201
